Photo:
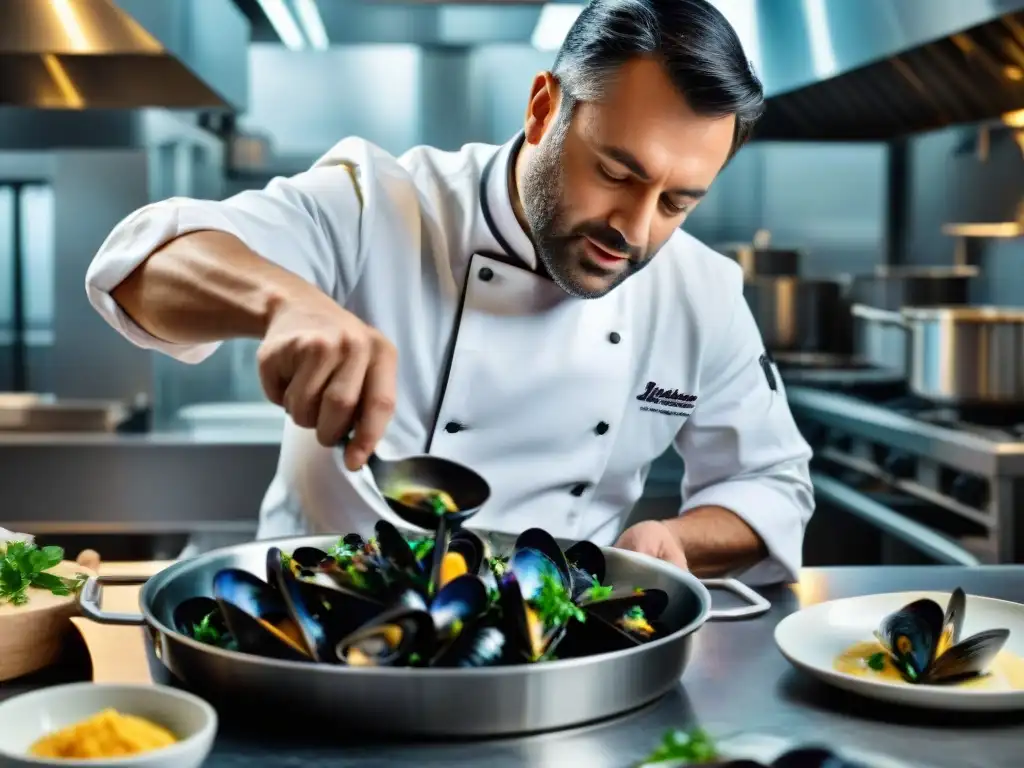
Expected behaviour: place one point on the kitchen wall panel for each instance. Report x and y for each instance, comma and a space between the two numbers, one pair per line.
939, 175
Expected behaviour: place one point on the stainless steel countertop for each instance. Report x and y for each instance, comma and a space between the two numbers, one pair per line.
737, 682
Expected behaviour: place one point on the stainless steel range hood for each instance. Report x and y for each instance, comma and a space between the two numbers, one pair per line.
117, 54
849, 70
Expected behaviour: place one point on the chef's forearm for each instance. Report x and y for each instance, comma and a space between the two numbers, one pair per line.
717, 541
206, 286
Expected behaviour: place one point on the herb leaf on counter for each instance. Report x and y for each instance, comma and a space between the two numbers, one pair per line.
23, 565
680, 747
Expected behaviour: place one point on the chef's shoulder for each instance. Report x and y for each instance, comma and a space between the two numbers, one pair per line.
691, 276
431, 180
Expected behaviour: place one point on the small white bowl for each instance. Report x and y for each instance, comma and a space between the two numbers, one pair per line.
27, 718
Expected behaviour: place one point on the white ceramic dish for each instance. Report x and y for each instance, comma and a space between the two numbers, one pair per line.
812, 638
25, 719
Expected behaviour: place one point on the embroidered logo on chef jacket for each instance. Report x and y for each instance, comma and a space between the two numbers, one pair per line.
669, 402
766, 361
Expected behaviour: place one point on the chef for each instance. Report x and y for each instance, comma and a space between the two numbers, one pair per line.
532, 310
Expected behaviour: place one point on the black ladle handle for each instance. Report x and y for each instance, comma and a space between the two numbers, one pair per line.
441, 539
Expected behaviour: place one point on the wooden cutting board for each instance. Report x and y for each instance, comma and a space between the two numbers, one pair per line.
118, 653
33, 634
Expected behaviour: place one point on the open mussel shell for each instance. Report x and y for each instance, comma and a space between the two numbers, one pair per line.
529, 640
531, 567
952, 622
471, 547
586, 565
310, 558
911, 636
544, 542
191, 613
611, 608
392, 639
480, 646
257, 616
324, 614
458, 604
594, 636
399, 557
968, 658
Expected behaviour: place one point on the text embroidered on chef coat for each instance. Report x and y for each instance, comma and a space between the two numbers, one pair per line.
672, 401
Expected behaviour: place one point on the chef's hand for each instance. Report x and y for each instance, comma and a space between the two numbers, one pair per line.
653, 538
330, 371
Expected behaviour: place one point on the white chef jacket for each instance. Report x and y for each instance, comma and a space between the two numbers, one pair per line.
560, 403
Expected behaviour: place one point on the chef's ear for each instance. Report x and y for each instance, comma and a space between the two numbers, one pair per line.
542, 109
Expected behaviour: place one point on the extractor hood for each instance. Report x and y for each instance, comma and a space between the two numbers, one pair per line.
854, 70
122, 54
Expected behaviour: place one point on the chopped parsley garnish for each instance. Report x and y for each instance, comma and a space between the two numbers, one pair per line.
23, 565
343, 553
498, 565
205, 632
554, 604
437, 504
597, 591
421, 547
636, 613
693, 747
876, 661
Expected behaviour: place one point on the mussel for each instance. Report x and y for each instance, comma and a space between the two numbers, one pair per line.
923, 642
813, 757
258, 617
323, 613
405, 600
398, 637
200, 618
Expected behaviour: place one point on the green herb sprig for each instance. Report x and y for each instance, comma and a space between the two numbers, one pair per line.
554, 604
597, 591
693, 747
23, 565
876, 661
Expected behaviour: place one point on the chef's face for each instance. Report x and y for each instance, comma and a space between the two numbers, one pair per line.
604, 187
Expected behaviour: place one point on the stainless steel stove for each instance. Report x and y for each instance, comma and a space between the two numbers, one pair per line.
966, 466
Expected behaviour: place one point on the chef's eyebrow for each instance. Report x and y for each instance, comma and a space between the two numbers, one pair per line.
623, 157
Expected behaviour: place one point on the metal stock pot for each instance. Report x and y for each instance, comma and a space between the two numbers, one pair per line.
434, 701
963, 356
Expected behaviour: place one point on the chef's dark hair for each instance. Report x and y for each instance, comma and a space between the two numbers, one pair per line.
700, 50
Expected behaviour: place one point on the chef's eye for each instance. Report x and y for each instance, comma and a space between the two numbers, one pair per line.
674, 209
609, 175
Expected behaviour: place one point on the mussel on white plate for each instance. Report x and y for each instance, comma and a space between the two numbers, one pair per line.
921, 644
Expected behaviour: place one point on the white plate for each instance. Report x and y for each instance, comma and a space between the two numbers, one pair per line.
812, 638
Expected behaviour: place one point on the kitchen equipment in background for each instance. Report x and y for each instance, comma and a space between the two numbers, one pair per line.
963, 356
759, 258
890, 289
893, 288
28, 412
800, 315
436, 702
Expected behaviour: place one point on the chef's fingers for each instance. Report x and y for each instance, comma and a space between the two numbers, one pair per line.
377, 404
272, 377
341, 396
317, 361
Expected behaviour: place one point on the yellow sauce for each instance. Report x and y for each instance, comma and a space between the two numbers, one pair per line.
416, 497
453, 565
104, 735
1005, 673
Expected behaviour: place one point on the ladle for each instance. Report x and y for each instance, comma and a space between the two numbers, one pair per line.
467, 489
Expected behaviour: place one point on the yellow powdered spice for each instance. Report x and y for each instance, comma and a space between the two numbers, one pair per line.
106, 734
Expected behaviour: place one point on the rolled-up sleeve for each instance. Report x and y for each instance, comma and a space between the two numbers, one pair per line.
309, 224
742, 450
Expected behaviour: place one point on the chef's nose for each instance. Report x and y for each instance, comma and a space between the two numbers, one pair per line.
633, 217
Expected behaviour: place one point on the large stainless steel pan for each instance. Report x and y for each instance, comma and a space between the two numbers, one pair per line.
962, 356
425, 702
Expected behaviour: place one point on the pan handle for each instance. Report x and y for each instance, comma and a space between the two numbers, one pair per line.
758, 605
91, 594
876, 315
